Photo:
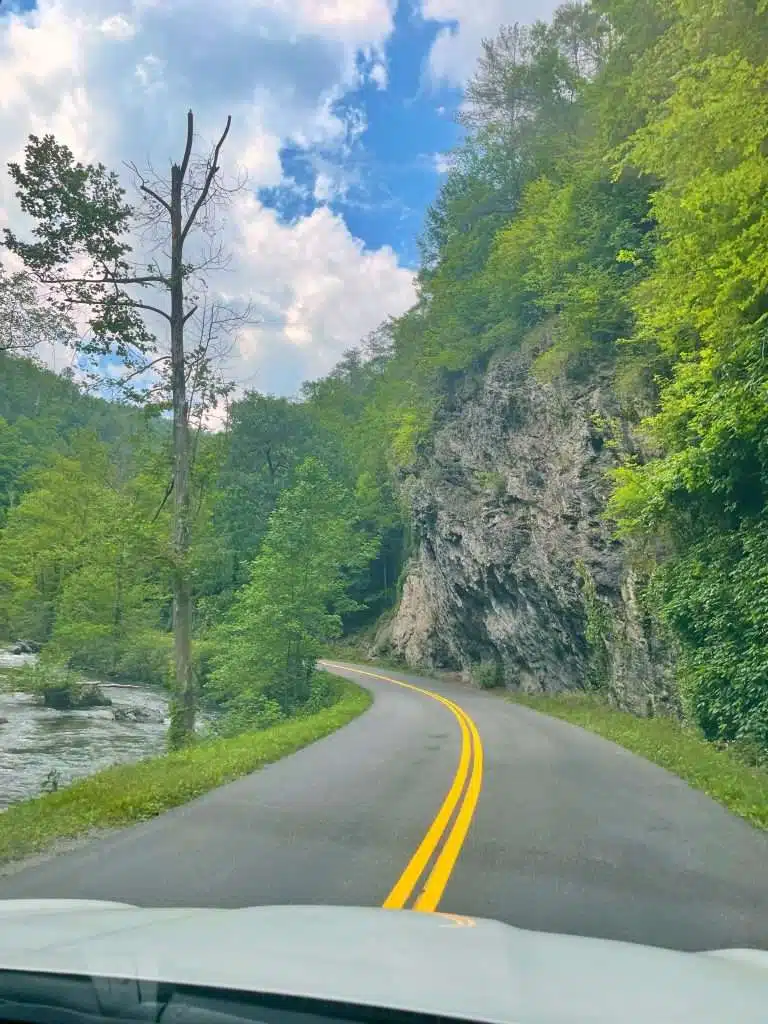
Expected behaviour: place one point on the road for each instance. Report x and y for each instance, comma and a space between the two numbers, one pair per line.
457, 801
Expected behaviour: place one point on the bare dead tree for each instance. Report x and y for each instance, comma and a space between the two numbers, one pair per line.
81, 251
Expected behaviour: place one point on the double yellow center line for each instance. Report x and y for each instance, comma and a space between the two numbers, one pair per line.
450, 826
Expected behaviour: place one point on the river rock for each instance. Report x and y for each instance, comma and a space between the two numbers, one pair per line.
75, 698
25, 647
123, 714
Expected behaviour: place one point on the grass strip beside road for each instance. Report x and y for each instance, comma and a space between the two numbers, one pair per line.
128, 793
670, 744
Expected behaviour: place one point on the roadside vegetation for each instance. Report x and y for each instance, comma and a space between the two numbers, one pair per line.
125, 794
736, 776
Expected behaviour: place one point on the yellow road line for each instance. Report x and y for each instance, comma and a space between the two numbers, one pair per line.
405, 885
437, 879
435, 885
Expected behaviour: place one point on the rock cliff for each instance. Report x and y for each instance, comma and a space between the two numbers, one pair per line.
513, 568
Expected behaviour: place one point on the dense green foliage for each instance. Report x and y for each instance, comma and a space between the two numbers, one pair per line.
284, 544
608, 214
39, 413
266, 649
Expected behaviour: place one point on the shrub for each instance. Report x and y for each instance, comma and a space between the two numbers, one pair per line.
488, 675
147, 658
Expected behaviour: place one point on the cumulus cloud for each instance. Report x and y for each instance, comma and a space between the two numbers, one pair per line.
465, 23
114, 78
319, 289
117, 27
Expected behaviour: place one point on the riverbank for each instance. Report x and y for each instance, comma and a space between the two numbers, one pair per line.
127, 793
43, 747
720, 773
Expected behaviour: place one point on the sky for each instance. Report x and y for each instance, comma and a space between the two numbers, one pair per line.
342, 114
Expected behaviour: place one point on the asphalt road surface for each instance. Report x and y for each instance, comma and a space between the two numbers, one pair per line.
460, 802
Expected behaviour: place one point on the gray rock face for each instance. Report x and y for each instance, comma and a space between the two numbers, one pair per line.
513, 563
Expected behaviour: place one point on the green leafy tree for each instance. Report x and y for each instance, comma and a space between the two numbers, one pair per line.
26, 320
269, 643
84, 561
269, 438
700, 499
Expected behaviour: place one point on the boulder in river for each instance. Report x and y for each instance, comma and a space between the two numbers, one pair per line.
123, 714
75, 698
25, 647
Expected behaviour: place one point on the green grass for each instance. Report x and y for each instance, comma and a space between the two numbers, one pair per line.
671, 744
128, 793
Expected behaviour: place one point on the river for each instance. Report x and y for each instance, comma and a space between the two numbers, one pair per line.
37, 740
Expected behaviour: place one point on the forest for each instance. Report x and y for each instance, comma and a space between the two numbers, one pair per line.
611, 192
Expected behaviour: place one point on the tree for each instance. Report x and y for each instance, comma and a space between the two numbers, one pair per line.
269, 643
26, 321
269, 438
81, 250
82, 564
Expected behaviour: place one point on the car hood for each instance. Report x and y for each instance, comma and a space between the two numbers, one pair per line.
431, 963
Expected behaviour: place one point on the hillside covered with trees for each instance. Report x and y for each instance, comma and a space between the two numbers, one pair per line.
604, 222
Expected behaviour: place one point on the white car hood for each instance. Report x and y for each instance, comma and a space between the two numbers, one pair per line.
431, 963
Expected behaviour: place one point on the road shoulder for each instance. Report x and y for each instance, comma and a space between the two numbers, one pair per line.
720, 774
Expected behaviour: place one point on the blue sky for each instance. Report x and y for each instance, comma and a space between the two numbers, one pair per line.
390, 171
340, 111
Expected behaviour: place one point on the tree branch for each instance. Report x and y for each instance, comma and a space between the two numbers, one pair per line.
211, 174
143, 369
107, 279
152, 309
162, 503
153, 195
131, 303
188, 147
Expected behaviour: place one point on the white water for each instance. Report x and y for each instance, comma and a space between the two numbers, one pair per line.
37, 740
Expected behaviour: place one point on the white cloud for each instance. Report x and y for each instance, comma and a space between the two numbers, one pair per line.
117, 27
319, 289
149, 73
114, 78
357, 22
324, 190
466, 23
379, 74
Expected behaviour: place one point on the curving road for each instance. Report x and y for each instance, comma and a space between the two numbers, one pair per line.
451, 799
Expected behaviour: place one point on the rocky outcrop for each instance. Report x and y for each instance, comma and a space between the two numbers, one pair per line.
513, 564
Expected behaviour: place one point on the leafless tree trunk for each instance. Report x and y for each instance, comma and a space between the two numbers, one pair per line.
68, 199
184, 707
